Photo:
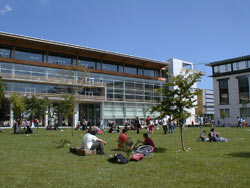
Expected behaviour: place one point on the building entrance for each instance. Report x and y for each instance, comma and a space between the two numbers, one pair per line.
90, 112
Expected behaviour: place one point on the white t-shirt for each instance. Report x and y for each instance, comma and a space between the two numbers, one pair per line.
88, 140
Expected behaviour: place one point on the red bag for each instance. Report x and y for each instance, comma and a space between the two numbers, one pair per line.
137, 156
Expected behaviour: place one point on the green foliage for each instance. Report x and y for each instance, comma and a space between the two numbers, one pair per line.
3, 87
36, 107
179, 96
18, 106
67, 105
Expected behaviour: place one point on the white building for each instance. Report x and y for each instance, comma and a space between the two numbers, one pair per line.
231, 79
176, 67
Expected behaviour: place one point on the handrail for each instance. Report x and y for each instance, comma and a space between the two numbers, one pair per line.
58, 96
63, 81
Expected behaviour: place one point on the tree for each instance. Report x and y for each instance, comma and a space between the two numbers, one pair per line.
67, 107
36, 107
3, 87
18, 107
179, 96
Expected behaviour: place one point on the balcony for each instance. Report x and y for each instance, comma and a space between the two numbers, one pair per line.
59, 97
86, 82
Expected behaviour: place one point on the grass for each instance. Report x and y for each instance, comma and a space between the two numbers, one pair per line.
36, 161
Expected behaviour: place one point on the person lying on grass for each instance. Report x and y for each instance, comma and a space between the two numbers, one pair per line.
147, 141
215, 137
91, 142
123, 141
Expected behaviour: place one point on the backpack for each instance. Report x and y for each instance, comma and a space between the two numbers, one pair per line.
118, 158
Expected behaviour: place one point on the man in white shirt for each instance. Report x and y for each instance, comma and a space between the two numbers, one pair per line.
91, 142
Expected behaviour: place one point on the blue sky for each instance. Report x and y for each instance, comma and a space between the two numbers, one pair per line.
193, 30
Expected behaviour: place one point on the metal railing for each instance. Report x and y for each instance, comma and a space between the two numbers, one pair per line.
57, 96
45, 79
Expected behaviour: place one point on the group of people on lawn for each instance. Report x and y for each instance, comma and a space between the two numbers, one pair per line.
91, 142
212, 137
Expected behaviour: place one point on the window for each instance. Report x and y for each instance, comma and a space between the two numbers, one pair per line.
216, 69
139, 71
149, 72
243, 89
224, 113
130, 70
186, 65
5, 52
244, 112
223, 91
60, 60
109, 67
240, 65
30, 56
120, 68
89, 64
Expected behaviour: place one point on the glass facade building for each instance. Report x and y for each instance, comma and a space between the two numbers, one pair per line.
107, 86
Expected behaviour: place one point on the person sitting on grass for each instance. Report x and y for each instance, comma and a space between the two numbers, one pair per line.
147, 141
91, 142
203, 136
124, 142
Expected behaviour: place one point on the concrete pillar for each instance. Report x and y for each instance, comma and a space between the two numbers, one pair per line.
11, 115
46, 118
101, 110
76, 114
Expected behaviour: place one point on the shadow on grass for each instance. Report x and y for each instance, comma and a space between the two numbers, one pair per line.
240, 154
160, 150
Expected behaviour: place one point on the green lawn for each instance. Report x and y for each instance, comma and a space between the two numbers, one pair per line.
35, 161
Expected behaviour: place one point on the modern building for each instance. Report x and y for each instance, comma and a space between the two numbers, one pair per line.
114, 87
205, 105
231, 90
176, 67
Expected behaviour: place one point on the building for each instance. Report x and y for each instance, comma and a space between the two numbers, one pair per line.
115, 87
176, 67
205, 105
231, 90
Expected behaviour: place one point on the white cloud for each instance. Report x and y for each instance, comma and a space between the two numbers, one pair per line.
5, 9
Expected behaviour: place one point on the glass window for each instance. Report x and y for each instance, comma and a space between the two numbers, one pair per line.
224, 113
216, 69
149, 72
118, 84
130, 70
5, 52
244, 112
30, 56
243, 89
242, 65
187, 66
98, 66
60, 60
139, 71
157, 73
129, 85
109, 67
120, 68
223, 90
87, 64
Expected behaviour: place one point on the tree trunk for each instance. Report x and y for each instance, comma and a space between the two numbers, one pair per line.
182, 139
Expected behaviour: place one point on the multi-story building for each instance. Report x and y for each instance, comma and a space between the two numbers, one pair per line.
176, 67
115, 87
205, 105
231, 90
